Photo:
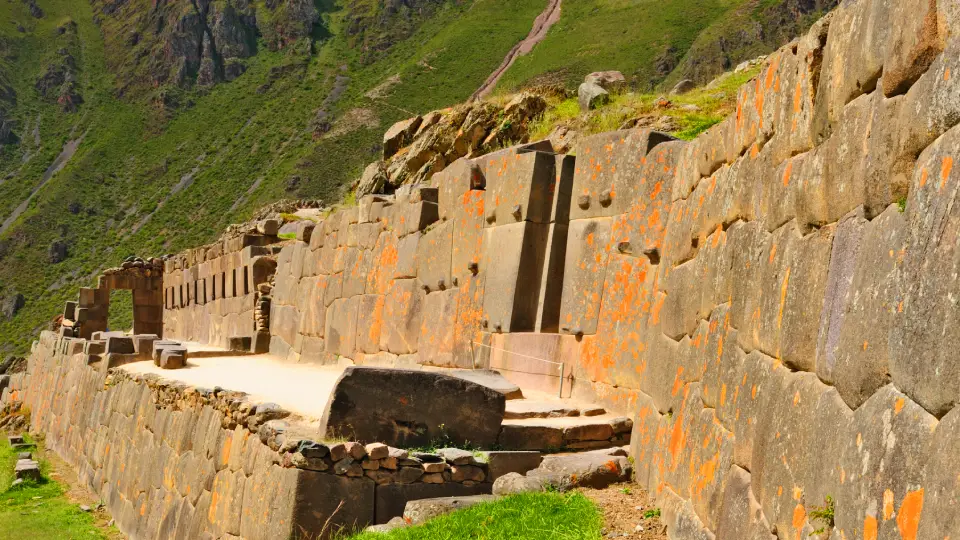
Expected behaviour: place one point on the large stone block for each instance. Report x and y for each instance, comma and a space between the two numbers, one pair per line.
412, 408
438, 329
613, 356
882, 464
310, 304
584, 274
467, 244
606, 171
392, 498
940, 497
340, 335
513, 260
402, 315
369, 323
523, 189
926, 315
454, 183
331, 502
434, 256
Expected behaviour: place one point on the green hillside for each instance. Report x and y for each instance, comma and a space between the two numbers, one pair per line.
147, 127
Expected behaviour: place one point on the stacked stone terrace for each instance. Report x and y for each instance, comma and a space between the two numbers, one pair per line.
773, 302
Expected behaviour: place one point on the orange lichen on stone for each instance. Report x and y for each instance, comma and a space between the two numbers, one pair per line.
908, 519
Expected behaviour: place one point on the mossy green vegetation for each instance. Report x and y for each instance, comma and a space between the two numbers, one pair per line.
531, 516
689, 114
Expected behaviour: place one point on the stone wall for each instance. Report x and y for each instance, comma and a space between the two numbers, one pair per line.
211, 294
400, 279
775, 300
171, 461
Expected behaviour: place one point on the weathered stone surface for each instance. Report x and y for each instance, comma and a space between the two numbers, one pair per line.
501, 463
583, 278
941, 485
438, 329
515, 436
394, 498
422, 510
402, 317
591, 95
514, 258
411, 408
919, 363
320, 497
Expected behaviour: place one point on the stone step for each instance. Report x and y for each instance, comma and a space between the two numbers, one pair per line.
523, 408
566, 433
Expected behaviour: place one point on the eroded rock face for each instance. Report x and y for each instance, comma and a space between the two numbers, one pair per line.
412, 408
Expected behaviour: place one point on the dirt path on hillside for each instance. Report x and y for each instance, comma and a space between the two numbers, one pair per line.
541, 25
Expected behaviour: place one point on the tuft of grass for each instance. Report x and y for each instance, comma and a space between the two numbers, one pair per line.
824, 514
287, 236
531, 516
652, 513
39, 509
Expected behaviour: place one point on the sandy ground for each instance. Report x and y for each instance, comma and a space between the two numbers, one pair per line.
300, 388
624, 507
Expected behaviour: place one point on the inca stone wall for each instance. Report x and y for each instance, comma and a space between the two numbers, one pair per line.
171, 461
774, 302
401, 279
210, 294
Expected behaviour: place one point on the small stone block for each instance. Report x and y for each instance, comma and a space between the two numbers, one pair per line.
240, 343
173, 358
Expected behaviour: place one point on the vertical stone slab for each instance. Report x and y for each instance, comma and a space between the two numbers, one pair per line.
438, 329
340, 334
613, 357
524, 191
323, 498
926, 314
513, 260
311, 306
402, 315
369, 323
551, 280
468, 326
584, 273
434, 253
882, 463
467, 244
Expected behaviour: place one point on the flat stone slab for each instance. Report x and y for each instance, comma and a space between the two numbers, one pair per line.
522, 408
490, 379
15, 439
426, 509
408, 408
500, 463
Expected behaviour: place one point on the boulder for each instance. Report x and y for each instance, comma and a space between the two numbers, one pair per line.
424, 510
683, 87
608, 80
590, 96
411, 408
400, 135
586, 470
373, 179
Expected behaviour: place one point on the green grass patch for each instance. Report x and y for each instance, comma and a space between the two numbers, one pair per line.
531, 516
39, 510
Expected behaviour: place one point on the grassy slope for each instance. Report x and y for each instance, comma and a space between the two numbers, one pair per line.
531, 516
231, 137
39, 510
623, 35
